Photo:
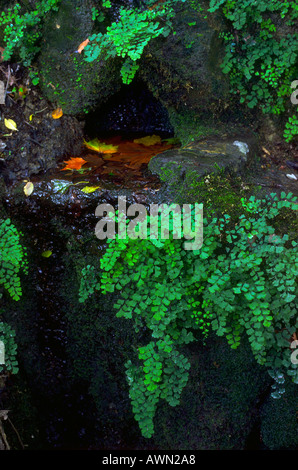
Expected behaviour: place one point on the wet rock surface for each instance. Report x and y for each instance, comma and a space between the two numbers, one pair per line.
201, 158
66, 78
39, 141
184, 69
73, 356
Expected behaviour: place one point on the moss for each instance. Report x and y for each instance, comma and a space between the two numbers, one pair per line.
287, 222
189, 126
219, 191
66, 78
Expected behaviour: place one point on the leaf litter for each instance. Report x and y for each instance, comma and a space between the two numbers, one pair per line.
122, 162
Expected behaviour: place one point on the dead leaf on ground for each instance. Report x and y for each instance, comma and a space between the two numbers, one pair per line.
74, 163
82, 46
158, 4
57, 113
28, 188
89, 189
10, 124
100, 147
121, 159
149, 140
95, 160
266, 151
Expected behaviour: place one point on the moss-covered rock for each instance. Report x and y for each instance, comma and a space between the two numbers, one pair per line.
182, 169
74, 354
183, 70
66, 78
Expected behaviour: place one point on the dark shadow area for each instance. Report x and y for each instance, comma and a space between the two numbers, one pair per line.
131, 112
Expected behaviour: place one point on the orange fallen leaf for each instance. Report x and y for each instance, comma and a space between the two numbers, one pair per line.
57, 113
74, 163
82, 46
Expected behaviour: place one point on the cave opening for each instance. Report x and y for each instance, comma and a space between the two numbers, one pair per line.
132, 112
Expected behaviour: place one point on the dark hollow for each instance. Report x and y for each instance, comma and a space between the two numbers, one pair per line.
131, 112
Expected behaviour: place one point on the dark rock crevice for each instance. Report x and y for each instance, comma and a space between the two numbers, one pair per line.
132, 111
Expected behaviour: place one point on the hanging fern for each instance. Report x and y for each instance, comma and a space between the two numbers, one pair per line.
128, 37
12, 262
242, 282
12, 259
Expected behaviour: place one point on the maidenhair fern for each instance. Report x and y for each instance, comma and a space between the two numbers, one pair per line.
21, 28
12, 262
242, 282
12, 259
262, 54
129, 35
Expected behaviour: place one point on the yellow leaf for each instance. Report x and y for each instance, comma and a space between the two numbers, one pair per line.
265, 150
10, 124
89, 189
57, 113
101, 147
28, 188
30, 117
149, 140
46, 254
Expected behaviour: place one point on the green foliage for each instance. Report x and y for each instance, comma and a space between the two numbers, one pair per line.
12, 259
291, 128
128, 37
22, 29
33, 74
128, 70
88, 282
243, 281
7, 336
260, 59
